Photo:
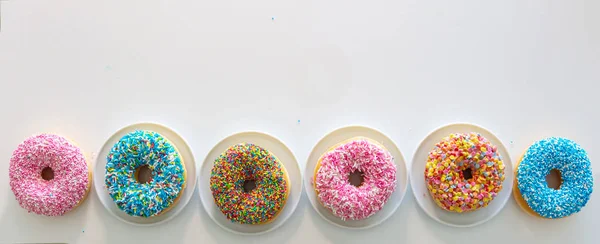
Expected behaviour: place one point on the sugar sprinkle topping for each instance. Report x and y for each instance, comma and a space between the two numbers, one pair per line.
144, 148
576, 173
446, 164
347, 201
246, 161
53, 197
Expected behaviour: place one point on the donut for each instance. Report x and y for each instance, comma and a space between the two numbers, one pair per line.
248, 162
531, 190
332, 183
143, 148
464, 172
67, 184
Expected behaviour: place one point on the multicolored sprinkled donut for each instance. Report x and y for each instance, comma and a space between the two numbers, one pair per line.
56, 196
332, 184
464, 172
243, 162
532, 192
145, 148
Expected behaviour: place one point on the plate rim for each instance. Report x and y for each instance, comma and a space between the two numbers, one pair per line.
405, 185
296, 164
479, 127
127, 127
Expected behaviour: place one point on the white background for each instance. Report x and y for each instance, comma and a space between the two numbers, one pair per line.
85, 68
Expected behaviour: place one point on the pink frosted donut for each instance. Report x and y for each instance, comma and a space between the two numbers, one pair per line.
55, 155
332, 183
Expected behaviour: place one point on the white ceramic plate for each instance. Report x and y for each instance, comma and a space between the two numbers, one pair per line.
190, 167
417, 179
336, 137
281, 151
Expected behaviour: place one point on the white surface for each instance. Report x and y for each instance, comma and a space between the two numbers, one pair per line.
277, 148
523, 69
186, 155
424, 199
343, 134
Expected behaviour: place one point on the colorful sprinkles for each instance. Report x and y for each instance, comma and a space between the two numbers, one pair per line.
347, 201
243, 162
136, 149
576, 173
446, 167
53, 197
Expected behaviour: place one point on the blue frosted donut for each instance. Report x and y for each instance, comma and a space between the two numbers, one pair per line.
144, 148
577, 182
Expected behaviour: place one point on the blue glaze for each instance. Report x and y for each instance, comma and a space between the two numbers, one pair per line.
575, 169
137, 149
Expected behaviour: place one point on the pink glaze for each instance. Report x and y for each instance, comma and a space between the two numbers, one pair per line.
54, 197
345, 200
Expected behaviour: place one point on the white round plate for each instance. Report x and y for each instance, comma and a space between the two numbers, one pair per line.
417, 179
336, 137
281, 151
190, 167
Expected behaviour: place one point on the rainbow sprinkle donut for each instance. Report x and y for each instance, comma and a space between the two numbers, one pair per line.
532, 192
464, 172
46, 195
145, 148
332, 183
248, 162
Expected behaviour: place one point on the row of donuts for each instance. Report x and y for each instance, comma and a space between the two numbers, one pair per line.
145, 175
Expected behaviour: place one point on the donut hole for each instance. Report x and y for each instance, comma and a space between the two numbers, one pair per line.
554, 179
143, 174
356, 178
47, 173
249, 185
467, 174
